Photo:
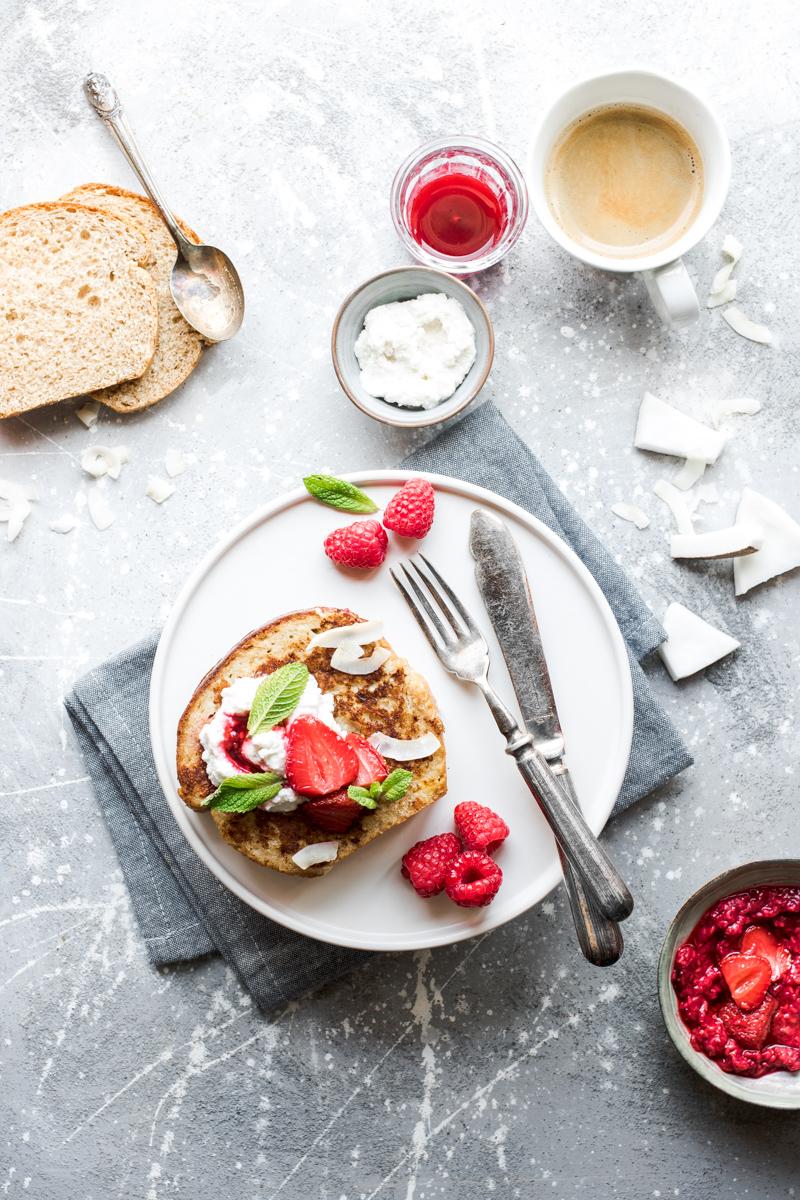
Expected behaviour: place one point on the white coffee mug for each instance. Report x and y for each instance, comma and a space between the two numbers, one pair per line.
665, 275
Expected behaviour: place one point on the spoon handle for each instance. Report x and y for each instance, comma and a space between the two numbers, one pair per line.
106, 103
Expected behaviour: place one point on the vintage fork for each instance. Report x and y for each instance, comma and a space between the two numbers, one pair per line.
463, 651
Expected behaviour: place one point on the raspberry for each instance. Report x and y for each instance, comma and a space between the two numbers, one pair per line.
473, 879
479, 828
410, 511
362, 545
426, 864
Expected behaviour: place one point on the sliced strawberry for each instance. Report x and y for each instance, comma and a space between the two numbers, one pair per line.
758, 940
748, 976
750, 1029
318, 761
334, 813
371, 766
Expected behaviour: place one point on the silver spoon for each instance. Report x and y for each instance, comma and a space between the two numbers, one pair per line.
205, 284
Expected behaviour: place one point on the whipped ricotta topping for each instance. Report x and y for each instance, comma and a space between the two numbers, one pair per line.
266, 749
415, 353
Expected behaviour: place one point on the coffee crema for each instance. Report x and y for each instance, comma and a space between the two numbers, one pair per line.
625, 180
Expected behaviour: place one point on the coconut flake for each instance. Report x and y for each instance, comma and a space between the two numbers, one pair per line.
104, 460
88, 413
63, 524
174, 463
360, 632
692, 643
315, 854
159, 489
15, 507
631, 512
733, 248
349, 658
99, 510
707, 493
676, 503
690, 472
780, 547
744, 537
405, 750
745, 406
725, 294
746, 328
665, 430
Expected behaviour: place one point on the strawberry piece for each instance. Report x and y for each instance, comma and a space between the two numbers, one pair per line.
361, 545
479, 827
757, 940
750, 1029
371, 765
410, 511
335, 813
748, 976
318, 761
473, 879
427, 863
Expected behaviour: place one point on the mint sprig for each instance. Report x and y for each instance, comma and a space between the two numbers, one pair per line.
338, 493
393, 788
277, 697
243, 793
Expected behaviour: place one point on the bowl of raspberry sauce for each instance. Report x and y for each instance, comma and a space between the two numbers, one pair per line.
729, 982
459, 204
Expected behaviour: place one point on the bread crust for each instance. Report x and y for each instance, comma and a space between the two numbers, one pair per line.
179, 347
395, 700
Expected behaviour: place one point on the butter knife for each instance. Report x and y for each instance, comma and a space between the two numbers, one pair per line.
504, 587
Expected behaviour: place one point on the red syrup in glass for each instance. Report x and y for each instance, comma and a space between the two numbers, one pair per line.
456, 215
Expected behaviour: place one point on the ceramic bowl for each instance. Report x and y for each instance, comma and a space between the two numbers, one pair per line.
405, 283
781, 1089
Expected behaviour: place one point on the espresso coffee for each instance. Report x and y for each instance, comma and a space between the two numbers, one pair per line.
625, 181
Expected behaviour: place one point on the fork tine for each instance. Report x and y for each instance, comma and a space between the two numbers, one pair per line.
448, 591
433, 615
440, 600
418, 614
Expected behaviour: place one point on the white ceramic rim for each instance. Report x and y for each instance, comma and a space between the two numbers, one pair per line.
391, 414
166, 770
698, 230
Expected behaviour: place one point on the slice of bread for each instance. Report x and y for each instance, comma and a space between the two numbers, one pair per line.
77, 306
394, 700
179, 346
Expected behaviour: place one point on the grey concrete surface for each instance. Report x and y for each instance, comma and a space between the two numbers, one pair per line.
504, 1066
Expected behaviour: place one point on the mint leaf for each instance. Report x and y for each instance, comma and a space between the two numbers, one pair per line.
338, 493
375, 790
242, 793
361, 796
395, 786
277, 697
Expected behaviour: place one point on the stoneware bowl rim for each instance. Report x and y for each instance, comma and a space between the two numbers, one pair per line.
776, 871
380, 410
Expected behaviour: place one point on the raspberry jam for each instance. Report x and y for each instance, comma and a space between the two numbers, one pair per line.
234, 739
737, 980
456, 214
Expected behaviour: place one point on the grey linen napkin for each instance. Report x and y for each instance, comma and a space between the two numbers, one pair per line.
182, 909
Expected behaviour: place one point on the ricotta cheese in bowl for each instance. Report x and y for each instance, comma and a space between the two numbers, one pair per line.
415, 353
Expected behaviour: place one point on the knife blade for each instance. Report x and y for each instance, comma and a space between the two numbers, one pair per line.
503, 584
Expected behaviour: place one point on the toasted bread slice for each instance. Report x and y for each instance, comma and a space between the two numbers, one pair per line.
394, 700
77, 306
179, 346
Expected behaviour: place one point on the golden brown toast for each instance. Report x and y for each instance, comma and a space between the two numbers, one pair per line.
394, 700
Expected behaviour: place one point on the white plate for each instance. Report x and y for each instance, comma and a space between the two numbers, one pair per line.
274, 563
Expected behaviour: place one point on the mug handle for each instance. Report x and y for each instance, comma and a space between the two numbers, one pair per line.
673, 294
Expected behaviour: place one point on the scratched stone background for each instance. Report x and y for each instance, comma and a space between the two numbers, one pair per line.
501, 1066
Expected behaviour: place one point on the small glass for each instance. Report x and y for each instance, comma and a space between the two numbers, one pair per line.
488, 164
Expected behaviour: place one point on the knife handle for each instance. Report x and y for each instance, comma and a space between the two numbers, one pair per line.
600, 939
581, 848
